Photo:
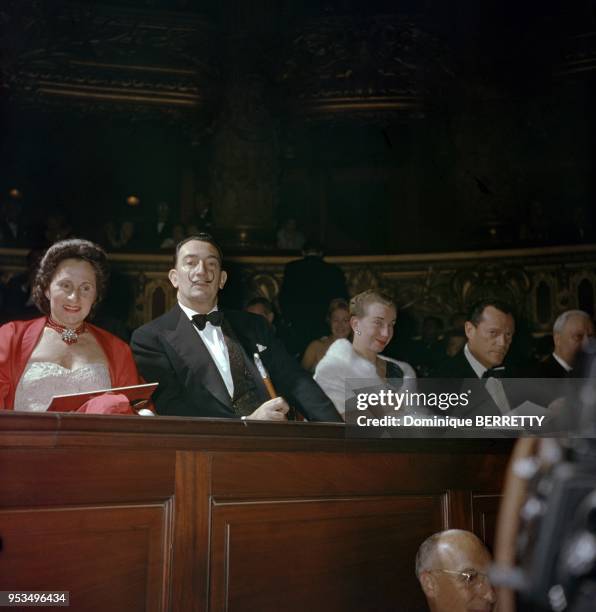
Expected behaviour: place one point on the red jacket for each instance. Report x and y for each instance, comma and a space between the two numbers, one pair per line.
19, 338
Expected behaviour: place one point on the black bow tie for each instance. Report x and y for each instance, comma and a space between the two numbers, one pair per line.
497, 372
215, 318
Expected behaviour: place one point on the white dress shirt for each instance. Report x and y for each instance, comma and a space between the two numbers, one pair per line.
213, 338
562, 363
493, 385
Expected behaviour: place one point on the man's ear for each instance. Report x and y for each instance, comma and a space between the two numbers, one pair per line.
353, 323
428, 584
223, 277
469, 328
556, 339
173, 276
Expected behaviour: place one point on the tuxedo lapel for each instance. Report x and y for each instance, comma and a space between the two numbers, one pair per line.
190, 347
484, 403
466, 369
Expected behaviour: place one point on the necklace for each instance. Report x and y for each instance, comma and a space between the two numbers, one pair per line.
68, 334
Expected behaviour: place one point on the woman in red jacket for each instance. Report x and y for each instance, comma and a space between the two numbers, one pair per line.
61, 353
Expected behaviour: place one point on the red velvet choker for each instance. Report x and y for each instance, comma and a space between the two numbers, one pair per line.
68, 335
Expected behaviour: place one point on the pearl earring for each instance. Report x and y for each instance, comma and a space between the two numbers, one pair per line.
359, 332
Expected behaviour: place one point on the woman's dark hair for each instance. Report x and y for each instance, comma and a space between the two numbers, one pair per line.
73, 248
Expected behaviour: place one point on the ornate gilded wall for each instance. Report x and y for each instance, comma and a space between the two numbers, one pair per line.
540, 283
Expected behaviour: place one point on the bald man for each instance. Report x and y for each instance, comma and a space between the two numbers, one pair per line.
452, 569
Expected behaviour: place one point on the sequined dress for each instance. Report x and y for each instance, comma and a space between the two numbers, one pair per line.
42, 380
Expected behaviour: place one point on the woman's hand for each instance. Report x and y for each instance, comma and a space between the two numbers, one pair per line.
108, 403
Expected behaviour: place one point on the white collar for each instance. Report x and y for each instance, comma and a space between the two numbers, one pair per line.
478, 368
562, 363
189, 312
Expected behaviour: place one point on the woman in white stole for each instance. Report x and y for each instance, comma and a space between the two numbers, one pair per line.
348, 365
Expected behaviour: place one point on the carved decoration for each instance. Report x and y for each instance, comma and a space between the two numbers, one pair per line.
579, 55
245, 170
360, 279
509, 284
264, 285
437, 284
583, 282
543, 279
89, 53
376, 65
145, 299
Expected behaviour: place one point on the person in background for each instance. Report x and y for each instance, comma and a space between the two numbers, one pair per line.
57, 227
289, 237
372, 319
454, 341
124, 238
14, 231
18, 296
261, 306
61, 352
309, 285
489, 331
571, 332
338, 318
159, 226
452, 569
177, 234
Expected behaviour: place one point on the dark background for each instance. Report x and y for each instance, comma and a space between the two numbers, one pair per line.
454, 125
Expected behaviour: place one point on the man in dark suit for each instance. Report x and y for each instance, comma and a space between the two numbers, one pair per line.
489, 331
203, 357
308, 287
571, 332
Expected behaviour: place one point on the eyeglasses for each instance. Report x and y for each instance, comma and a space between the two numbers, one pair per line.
470, 578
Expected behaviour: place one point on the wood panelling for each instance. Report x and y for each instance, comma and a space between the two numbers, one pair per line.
108, 558
484, 515
315, 473
348, 556
191, 544
191, 515
84, 475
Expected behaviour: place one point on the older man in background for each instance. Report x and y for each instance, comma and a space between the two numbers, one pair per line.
571, 332
452, 569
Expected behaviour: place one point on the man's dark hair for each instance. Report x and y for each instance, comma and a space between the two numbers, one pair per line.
477, 309
202, 237
312, 247
263, 301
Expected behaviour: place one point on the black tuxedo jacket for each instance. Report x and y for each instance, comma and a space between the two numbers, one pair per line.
481, 402
550, 368
168, 350
309, 285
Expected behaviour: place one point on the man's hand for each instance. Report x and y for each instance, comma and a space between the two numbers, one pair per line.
274, 409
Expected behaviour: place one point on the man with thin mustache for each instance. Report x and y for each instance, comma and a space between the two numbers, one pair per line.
202, 356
